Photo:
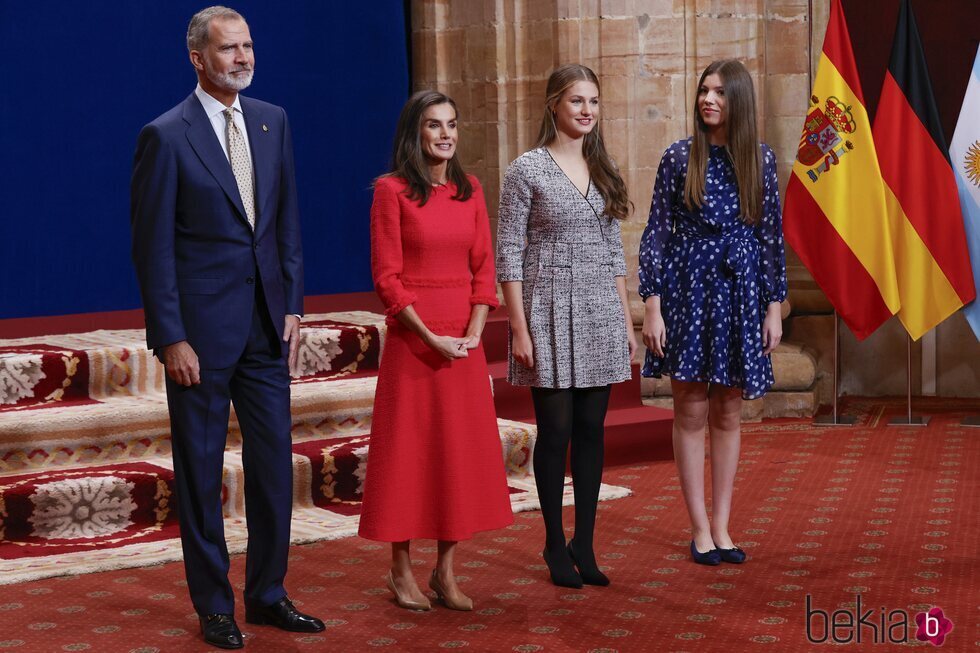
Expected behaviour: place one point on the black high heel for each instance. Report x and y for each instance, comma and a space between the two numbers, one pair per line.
562, 571
590, 573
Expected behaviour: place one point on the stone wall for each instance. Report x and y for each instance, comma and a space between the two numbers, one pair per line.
494, 56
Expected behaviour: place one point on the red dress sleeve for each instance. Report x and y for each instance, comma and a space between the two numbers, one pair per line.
386, 248
481, 254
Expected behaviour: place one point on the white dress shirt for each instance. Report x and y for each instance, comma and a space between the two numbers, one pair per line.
216, 114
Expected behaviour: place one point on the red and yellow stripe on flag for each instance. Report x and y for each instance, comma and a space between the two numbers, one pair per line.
932, 262
835, 217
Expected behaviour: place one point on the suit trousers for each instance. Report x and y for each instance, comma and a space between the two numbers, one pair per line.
258, 386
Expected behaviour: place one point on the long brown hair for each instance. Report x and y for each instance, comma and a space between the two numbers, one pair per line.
603, 171
409, 162
743, 141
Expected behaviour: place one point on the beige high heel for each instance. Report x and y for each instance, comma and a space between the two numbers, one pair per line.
403, 602
462, 602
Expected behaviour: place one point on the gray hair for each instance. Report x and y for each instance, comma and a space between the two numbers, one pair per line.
200, 25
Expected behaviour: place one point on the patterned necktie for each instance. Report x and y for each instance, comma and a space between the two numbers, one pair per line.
241, 166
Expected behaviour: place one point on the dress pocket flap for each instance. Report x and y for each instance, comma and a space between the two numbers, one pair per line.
559, 255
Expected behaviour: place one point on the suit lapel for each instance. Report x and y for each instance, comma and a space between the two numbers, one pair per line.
263, 145
201, 136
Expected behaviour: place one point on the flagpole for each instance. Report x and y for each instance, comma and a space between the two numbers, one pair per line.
835, 418
909, 419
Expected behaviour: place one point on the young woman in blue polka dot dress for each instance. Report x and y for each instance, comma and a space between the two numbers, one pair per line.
712, 276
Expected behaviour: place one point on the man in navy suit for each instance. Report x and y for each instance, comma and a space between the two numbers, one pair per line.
216, 244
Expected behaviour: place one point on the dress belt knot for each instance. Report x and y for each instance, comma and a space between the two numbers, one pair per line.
736, 252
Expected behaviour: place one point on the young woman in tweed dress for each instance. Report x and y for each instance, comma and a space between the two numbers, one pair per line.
560, 261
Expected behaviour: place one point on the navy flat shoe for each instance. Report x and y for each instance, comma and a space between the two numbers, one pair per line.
735, 556
711, 557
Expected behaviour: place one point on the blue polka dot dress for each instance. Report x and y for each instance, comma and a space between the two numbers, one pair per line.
715, 274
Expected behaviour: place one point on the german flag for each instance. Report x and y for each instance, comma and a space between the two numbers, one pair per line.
835, 217
932, 263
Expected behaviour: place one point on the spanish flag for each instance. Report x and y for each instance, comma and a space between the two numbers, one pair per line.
932, 263
835, 217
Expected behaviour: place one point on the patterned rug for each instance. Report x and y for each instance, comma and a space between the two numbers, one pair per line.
884, 515
79, 368
86, 479
100, 397
99, 517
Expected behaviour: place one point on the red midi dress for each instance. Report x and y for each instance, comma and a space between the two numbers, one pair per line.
435, 464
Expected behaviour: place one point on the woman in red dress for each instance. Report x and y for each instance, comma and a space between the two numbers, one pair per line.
435, 465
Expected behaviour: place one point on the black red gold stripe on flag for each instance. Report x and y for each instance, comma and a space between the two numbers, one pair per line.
835, 217
932, 263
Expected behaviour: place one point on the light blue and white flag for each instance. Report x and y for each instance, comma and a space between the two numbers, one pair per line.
964, 154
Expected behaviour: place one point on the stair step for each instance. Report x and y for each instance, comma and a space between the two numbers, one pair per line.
514, 402
794, 369
639, 434
752, 410
77, 369
634, 431
809, 301
790, 404
511, 401
136, 427
495, 338
132, 502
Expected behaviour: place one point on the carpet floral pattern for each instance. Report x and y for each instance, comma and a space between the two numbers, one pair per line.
99, 397
882, 515
58, 370
96, 518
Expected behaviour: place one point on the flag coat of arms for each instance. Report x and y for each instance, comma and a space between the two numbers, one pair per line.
964, 152
835, 217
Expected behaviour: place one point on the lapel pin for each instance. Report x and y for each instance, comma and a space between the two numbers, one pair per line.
265, 128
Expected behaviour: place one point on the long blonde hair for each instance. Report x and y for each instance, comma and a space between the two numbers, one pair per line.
743, 141
603, 171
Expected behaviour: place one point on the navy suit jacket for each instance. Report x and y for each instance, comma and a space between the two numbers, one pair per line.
196, 257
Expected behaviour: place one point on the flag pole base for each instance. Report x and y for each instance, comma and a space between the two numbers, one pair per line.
971, 421
904, 420
829, 419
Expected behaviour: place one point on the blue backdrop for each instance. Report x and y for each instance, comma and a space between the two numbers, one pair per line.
79, 80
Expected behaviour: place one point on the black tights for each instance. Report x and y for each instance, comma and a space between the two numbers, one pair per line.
563, 415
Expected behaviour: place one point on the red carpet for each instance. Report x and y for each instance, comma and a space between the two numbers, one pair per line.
886, 513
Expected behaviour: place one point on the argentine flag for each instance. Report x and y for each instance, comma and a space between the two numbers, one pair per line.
964, 153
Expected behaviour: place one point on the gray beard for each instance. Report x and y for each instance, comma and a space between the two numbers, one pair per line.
229, 81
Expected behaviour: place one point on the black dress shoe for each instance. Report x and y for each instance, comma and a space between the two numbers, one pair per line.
221, 630
283, 615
